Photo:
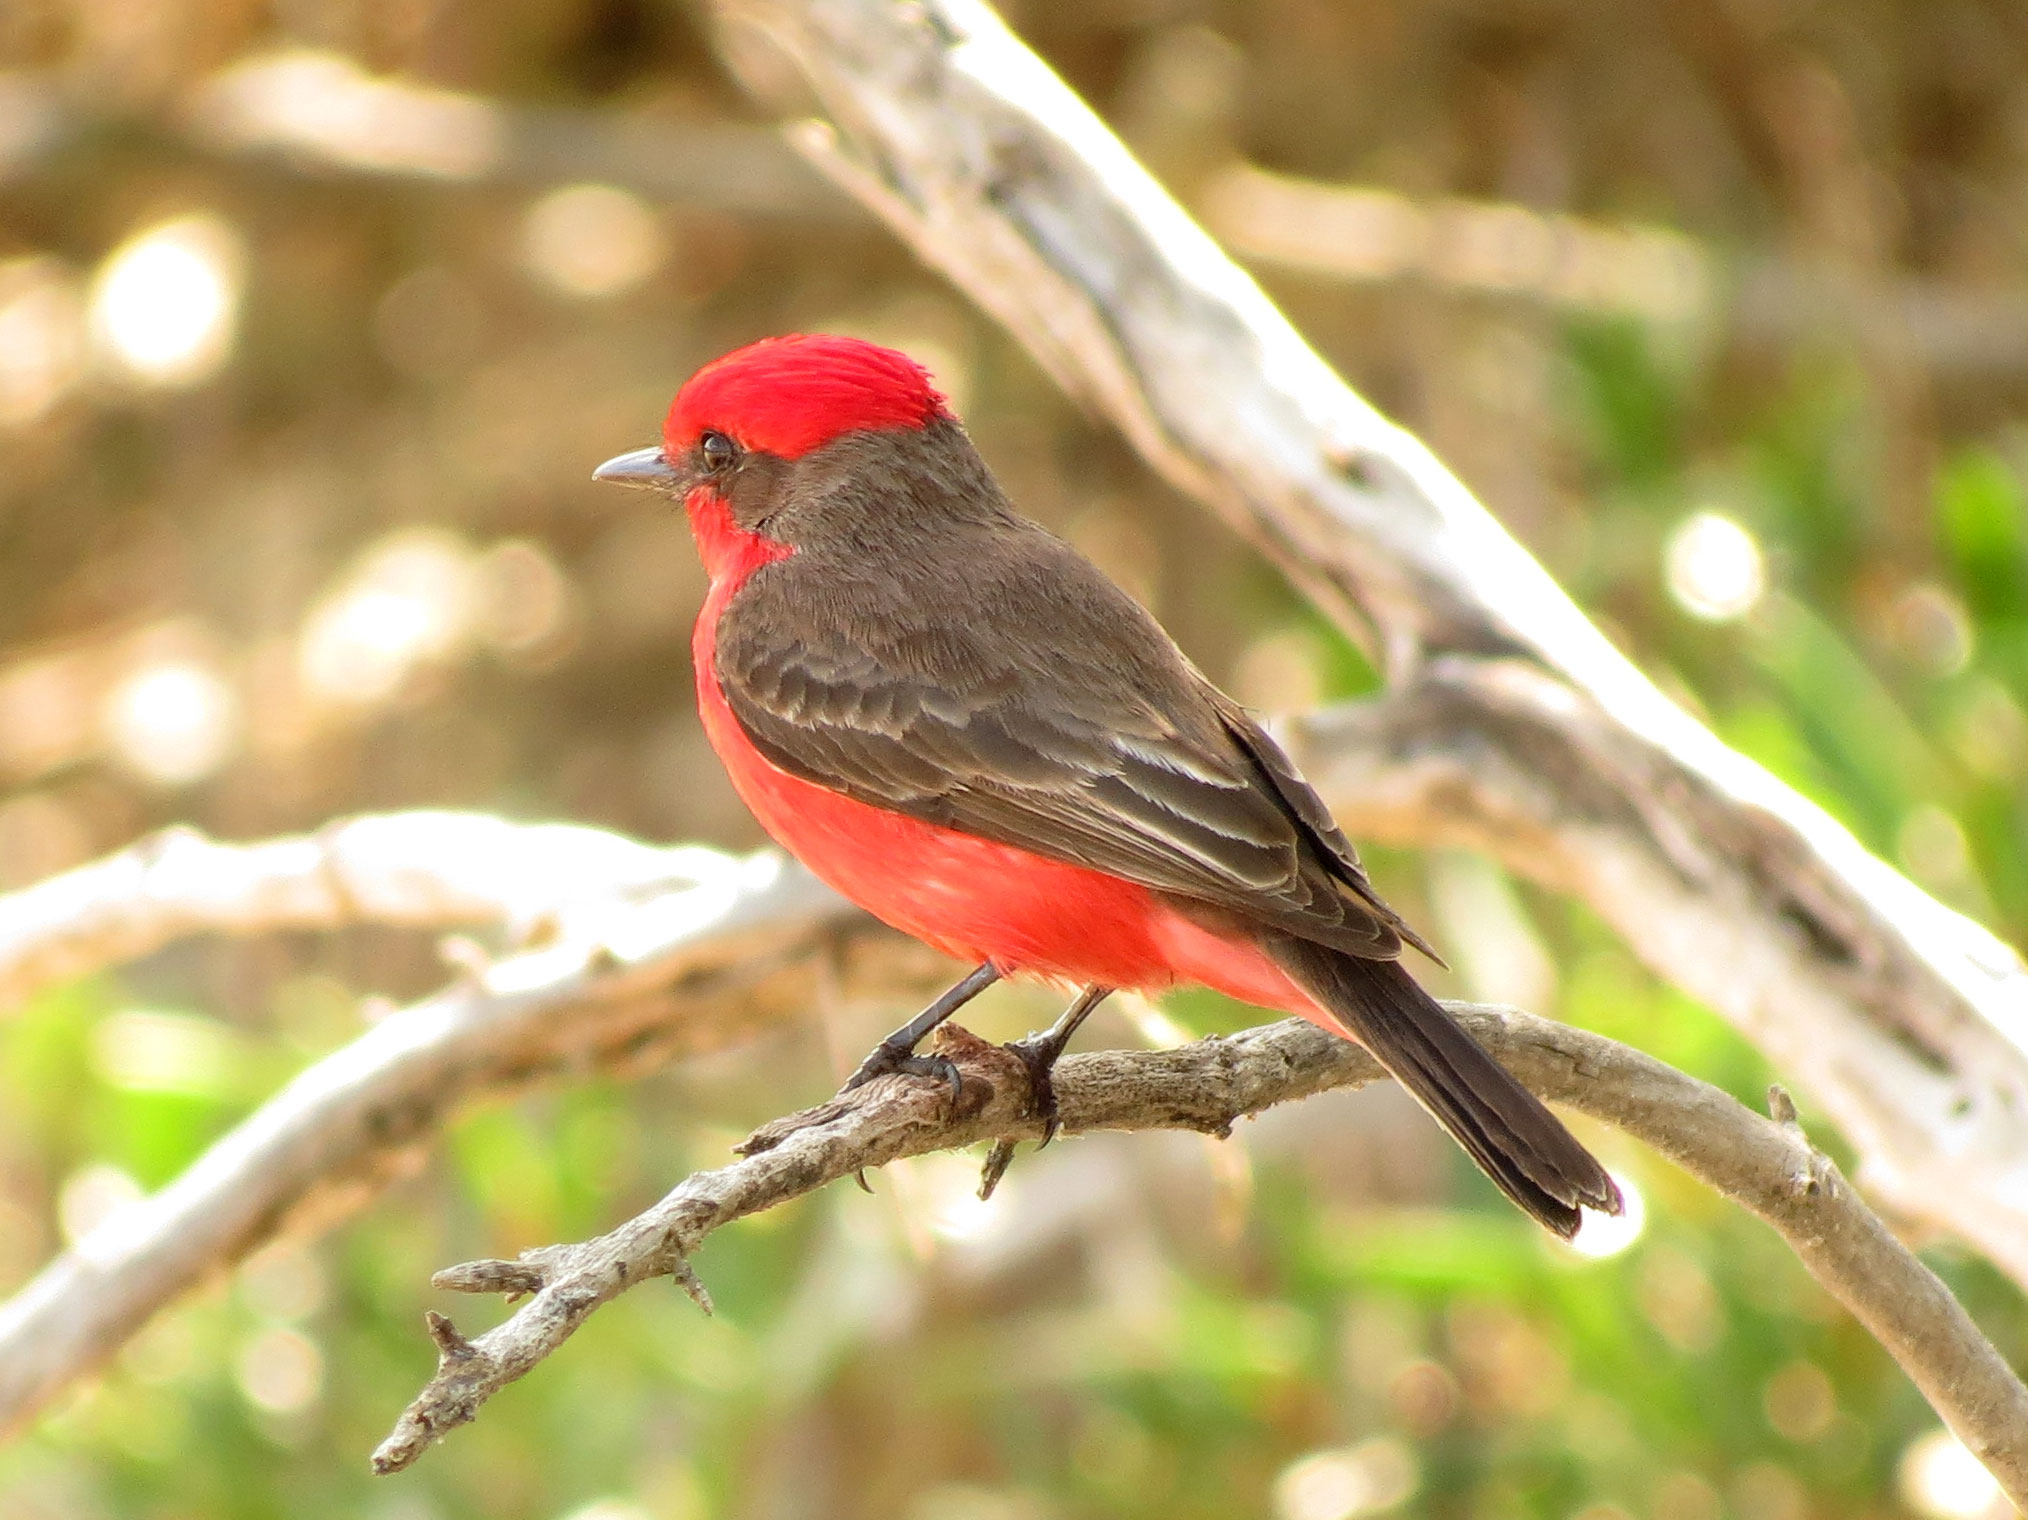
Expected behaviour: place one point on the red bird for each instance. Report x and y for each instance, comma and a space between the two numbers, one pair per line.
962, 725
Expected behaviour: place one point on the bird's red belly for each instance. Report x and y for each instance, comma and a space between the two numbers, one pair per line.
979, 900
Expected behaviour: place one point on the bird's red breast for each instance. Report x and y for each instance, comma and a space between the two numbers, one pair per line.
972, 898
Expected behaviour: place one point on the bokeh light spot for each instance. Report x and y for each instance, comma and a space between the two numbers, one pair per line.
1684, 1495
1939, 1478
172, 722
164, 304
1769, 1491
1365, 1479
1602, 1235
1424, 1396
1714, 568
281, 1371
93, 1196
1679, 1299
1933, 846
146, 1050
1799, 1402
526, 600
939, 1195
409, 601
1989, 731
167, 1351
974, 1501
325, 106
609, 1509
283, 1282
1933, 627
592, 241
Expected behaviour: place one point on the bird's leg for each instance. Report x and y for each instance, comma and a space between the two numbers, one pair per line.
1040, 1053
897, 1051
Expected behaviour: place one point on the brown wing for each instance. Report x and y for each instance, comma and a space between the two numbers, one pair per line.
1008, 690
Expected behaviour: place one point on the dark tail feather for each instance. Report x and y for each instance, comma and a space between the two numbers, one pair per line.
1504, 1127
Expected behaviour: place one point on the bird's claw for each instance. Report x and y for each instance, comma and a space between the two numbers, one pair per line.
1039, 1053
885, 1060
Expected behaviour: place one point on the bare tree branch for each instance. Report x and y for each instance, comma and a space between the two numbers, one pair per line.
1906, 1021
619, 984
426, 870
687, 971
1363, 234
1768, 1166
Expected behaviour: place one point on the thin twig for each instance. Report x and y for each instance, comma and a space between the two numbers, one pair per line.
1766, 1165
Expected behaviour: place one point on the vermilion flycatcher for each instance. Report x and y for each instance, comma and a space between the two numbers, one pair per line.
963, 726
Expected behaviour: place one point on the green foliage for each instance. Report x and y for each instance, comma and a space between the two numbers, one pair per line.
1982, 513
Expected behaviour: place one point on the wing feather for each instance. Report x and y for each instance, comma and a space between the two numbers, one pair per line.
1041, 708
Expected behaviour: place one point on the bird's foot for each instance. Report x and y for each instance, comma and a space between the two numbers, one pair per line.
1039, 1053
890, 1057
896, 1053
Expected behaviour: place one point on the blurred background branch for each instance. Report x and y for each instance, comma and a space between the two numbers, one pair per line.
422, 870
624, 988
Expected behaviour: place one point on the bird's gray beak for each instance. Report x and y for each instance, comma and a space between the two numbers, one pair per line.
643, 467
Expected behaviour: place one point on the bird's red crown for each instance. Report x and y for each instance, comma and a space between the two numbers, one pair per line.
789, 395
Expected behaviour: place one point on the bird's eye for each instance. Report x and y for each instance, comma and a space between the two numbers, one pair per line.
718, 450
